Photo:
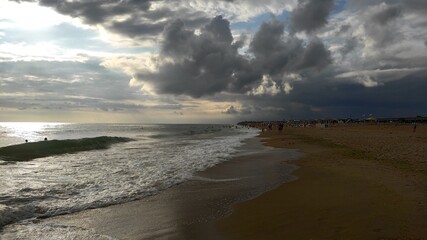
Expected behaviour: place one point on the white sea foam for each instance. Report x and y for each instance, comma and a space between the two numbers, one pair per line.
161, 156
27, 231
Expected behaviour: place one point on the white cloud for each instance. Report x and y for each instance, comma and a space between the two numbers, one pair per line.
384, 75
131, 65
238, 10
287, 88
292, 77
230, 110
366, 81
267, 87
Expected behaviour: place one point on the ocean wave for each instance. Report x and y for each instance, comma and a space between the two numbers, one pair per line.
32, 150
65, 184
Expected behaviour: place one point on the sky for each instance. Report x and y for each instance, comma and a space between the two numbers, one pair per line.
205, 61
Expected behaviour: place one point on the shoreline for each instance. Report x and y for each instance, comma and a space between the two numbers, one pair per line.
350, 185
185, 211
345, 188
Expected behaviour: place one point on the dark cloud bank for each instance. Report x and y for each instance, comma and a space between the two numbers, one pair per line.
210, 62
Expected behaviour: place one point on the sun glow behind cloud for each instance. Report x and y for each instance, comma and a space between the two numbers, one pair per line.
22, 24
29, 16
30, 32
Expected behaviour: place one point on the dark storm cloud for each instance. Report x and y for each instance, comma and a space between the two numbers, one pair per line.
277, 53
315, 55
418, 6
203, 64
349, 46
324, 97
344, 28
387, 99
381, 26
219, 28
272, 51
177, 40
210, 63
311, 15
269, 40
134, 29
386, 15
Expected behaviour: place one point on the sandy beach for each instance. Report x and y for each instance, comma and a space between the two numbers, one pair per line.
213, 120
345, 182
354, 182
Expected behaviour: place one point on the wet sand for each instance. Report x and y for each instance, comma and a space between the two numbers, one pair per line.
361, 182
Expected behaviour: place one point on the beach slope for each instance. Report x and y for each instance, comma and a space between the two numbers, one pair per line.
360, 182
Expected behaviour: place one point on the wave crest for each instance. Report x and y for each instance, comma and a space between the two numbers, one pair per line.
33, 150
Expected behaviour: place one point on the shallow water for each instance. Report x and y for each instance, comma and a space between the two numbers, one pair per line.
161, 156
185, 211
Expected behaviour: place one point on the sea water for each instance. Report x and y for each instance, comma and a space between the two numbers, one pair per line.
159, 157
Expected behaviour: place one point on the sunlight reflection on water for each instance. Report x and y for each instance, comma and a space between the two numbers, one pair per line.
32, 131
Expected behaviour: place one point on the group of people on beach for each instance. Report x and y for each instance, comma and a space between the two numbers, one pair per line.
270, 127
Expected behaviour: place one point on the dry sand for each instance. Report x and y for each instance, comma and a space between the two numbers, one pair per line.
355, 182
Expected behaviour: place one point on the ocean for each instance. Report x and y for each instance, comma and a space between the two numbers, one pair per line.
64, 179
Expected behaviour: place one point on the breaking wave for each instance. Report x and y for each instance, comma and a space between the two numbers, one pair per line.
30, 151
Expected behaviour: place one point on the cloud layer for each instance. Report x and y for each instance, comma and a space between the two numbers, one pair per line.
210, 62
239, 59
